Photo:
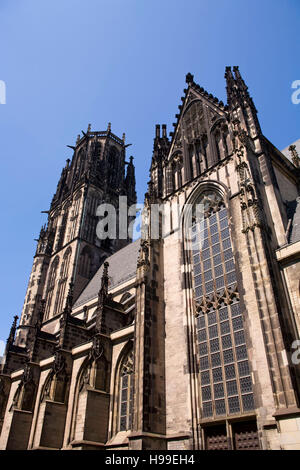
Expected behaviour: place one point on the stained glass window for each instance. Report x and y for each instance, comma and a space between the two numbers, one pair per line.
226, 386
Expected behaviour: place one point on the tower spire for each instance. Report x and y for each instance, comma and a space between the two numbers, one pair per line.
68, 246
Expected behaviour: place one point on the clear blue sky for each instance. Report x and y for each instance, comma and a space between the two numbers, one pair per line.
67, 63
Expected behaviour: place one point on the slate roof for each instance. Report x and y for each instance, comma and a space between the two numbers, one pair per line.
122, 267
293, 211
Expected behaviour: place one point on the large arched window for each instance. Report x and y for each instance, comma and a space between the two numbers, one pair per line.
126, 378
225, 380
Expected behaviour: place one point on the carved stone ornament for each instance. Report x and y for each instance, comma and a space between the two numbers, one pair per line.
59, 364
97, 349
144, 254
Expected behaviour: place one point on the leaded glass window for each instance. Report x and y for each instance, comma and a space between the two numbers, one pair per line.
126, 394
225, 380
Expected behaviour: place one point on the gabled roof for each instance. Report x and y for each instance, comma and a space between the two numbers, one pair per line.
122, 267
194, 91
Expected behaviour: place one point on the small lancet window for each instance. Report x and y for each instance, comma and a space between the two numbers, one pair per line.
126, 393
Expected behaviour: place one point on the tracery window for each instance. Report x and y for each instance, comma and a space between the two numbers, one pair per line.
126, 393
225, 380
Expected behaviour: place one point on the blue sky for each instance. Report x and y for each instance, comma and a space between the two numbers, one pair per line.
67, 63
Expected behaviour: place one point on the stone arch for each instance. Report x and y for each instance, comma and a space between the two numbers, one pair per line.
217, 122
187, 214
190, 104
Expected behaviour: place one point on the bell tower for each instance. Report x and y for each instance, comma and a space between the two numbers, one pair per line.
68, 248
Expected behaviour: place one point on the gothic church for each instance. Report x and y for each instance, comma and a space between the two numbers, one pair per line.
166, 343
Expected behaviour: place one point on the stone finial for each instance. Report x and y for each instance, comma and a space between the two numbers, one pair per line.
89, 128
189, 78
78, 139
157, 131
123, 137
109, 127
295, 156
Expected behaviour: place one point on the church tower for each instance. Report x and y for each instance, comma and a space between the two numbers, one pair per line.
68, 249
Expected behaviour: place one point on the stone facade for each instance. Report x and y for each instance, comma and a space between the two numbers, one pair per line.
169, 342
